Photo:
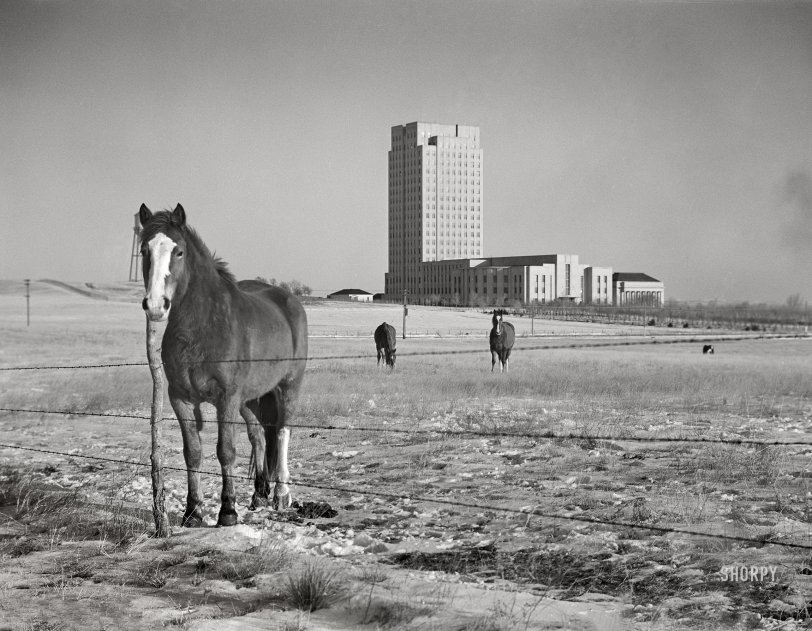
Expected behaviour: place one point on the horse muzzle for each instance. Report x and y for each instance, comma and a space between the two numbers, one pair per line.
157, 312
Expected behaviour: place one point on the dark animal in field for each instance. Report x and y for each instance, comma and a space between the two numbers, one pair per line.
501, 339
385, 339
707, 349
239, 346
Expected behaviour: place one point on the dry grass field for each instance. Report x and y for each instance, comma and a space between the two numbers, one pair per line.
608, 481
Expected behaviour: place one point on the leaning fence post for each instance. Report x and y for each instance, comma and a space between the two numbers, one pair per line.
162, 528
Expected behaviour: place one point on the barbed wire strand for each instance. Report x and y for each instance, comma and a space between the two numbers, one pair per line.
546, 347
461, 432
437, 500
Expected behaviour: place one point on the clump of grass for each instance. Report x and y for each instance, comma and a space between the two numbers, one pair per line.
55, 515
40, 624
315, 587
155, 577
374, 574
267, 558
726, 463
20, 546
395, 614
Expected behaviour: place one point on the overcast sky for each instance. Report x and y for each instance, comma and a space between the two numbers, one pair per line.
671, 138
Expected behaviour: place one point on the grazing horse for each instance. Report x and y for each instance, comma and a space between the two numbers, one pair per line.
501, 338
385, 344
240, 346
707, 349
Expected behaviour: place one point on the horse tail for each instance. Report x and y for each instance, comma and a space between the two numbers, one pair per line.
269, 417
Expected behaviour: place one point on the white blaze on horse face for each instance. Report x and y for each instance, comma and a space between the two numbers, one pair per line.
159, 293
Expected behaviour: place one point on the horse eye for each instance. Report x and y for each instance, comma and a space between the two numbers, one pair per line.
179, 253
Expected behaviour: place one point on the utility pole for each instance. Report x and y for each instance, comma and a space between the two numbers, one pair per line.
27, 302
533, 316
405, 313
645, 320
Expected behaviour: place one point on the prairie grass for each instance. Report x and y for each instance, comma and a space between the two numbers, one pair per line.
433, 377
754, 377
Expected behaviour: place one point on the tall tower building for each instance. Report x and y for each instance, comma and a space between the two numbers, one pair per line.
435, 201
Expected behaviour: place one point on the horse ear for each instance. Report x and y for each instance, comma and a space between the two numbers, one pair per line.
144, 214
180, 215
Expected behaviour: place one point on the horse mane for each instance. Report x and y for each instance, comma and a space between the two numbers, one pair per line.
164, 221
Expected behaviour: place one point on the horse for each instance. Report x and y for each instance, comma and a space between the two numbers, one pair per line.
385, 339
707, 349
501, 340
240, 346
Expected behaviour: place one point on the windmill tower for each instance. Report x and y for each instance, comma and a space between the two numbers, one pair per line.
135, 257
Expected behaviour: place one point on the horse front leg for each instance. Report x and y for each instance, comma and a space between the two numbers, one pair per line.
190, 420
251, 413
228, 412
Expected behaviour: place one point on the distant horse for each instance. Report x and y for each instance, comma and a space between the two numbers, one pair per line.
241, 346
501, 339
385, 338
707, 349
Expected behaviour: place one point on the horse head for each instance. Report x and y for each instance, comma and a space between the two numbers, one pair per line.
497, 322
163, 251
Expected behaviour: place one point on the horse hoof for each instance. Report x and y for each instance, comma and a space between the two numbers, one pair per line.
282, 502
257, 502
192, 521
227, 519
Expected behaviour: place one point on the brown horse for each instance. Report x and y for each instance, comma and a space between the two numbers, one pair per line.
240, 346
385, 340
501, 339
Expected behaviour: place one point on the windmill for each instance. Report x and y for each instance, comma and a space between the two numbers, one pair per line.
135, 257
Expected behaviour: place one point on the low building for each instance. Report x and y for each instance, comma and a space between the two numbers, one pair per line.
506, 280
598, 288
351, 295
636, 288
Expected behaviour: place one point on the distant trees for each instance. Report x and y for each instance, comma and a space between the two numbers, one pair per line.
297, 288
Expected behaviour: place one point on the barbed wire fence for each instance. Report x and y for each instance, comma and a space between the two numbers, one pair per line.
434, 431
452, 503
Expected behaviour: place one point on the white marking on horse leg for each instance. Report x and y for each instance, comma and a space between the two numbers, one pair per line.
281, 492
160, 253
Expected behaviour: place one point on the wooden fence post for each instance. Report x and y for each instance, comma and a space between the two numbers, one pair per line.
162, 528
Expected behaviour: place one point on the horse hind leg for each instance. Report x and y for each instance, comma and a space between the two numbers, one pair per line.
275, 406
252, 413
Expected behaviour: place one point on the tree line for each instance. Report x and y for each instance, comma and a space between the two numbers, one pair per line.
297, 288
